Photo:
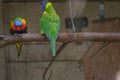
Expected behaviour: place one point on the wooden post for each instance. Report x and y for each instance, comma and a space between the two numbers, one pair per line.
102, 62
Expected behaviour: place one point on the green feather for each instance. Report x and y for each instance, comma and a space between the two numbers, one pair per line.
50, 24
17, 18
53, 47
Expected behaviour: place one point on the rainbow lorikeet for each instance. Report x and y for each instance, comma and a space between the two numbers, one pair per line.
50, 23
18, 26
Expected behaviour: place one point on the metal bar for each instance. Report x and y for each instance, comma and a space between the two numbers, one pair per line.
102, 12
37, 61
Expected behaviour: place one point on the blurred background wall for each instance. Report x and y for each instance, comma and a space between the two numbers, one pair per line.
34, 58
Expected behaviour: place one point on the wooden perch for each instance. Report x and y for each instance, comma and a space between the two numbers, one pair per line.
63, 37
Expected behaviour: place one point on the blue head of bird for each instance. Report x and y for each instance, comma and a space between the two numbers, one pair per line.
18, 22
43, 4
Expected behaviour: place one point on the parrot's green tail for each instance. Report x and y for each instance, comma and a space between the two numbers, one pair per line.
19, 46
53, 46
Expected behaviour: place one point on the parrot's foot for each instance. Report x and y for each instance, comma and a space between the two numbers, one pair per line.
42, 32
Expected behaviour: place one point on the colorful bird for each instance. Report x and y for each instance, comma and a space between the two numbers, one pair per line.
18, 26
50, 24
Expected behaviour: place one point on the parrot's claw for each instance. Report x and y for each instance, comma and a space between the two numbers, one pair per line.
42, 32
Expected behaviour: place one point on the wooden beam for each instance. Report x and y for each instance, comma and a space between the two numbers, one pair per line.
63, 37
51, 0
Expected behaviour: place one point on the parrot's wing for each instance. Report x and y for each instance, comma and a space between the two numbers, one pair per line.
47, 22
57, 23
44, 23
54, 24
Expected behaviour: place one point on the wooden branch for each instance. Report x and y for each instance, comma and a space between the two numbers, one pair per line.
53, 58
63, 37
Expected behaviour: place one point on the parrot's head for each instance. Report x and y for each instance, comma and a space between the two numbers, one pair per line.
43, 4
18, 22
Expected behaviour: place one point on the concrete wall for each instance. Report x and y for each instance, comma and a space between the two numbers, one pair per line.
34, 58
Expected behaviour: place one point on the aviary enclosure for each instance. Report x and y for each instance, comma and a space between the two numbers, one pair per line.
87, 47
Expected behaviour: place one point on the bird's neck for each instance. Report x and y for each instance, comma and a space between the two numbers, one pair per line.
50, 9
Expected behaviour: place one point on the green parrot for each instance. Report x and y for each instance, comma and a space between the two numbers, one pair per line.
50, 24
